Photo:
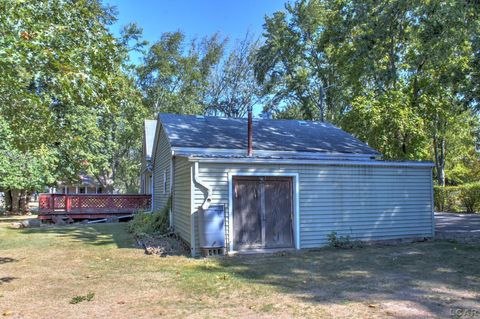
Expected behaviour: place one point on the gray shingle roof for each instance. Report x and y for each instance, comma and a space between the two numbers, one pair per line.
268, 135
150, 128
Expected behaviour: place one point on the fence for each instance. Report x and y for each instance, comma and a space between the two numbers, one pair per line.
92, 203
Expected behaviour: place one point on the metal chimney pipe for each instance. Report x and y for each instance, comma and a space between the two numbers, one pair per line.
250, 133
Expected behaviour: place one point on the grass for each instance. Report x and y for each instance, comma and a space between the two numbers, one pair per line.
43, 270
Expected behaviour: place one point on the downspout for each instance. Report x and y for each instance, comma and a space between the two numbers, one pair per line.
205, 186
172, 176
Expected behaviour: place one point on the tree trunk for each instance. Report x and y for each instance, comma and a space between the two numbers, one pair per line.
23, 202
15, 194
439, 152
8, 200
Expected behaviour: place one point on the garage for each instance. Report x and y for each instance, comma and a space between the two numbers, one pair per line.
282, 184
262, 212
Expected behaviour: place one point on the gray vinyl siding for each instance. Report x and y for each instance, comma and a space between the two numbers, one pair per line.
364, 202
143, 170
161, 166
182, 211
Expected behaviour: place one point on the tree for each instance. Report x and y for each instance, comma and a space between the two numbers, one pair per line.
293, 65
388, 124
62, 75
232, 87
442, 58
174, 75
403, 73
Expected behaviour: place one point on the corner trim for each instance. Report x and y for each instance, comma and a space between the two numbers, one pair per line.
193, 250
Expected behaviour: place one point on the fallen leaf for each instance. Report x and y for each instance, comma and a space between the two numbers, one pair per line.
8, 313
372, 306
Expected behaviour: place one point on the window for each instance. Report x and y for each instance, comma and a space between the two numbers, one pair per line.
165, 181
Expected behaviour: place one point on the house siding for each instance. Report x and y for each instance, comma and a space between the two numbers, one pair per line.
161, 168
363, 202
142, 175
182, 198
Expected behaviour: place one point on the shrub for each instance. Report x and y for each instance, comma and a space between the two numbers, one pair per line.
470, 197
339, 241
151, 223
439, 198
457, 198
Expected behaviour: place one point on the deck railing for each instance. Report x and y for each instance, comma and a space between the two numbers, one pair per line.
92, 203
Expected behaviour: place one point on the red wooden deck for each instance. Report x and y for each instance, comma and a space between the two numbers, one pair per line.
90, 206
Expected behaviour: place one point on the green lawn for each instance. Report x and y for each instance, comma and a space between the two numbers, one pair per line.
41, 270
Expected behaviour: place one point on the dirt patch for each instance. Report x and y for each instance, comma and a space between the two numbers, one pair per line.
163, 245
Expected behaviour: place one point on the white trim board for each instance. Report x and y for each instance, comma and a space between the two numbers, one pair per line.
309, 162
193, 248
296, 202
266, 153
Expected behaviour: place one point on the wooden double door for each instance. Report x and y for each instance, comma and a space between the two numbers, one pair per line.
262, 212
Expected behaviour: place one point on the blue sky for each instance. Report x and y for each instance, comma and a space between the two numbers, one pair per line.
232, 18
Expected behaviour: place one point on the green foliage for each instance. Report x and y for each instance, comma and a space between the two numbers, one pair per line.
151, 223
399, 135
402, 76
64, 93
78, 299
28, 169
340, 241
463, 198
232, 87
174, 76
292, 64
470, 197
446, 198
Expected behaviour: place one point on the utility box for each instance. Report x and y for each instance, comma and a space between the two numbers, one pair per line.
211, 226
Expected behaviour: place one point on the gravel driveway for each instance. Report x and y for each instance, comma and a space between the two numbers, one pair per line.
457, 226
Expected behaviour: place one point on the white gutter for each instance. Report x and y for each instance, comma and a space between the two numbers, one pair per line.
198, 181
310, 162
264, 153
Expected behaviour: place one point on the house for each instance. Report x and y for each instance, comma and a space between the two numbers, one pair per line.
303, 181
85, 184
146, 169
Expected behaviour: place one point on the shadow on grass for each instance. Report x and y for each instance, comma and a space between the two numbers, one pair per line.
98, 235
11, 220
6, 280
433, 276
6, 260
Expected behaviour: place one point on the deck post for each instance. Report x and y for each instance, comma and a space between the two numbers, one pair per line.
52, 202
67, 203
